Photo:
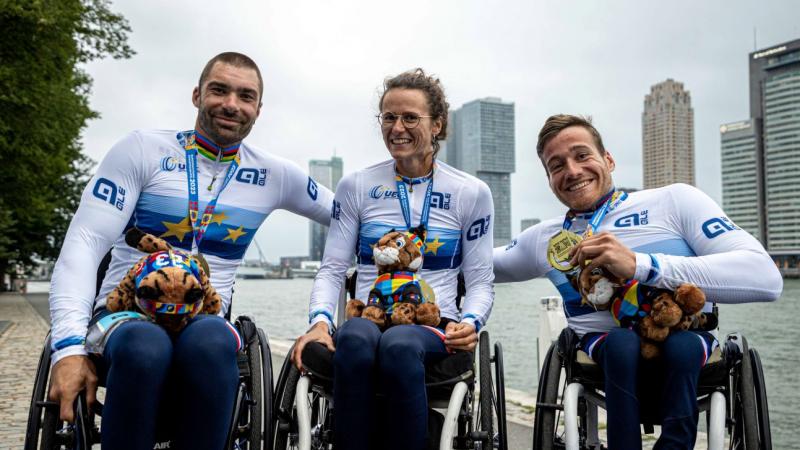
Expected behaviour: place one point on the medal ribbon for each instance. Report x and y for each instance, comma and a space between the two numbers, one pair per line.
611, 201
200, 224
402, 197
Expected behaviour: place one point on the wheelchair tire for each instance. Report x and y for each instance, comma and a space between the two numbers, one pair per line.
500, 397
486, 395
283, 406
256, 418
39, 395
764, 433
745, 413
544, 427
267, 386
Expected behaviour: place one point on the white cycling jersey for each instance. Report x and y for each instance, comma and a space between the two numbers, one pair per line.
679, 235
142, 182
459, 238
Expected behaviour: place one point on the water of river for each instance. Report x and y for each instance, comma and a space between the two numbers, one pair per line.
281, 308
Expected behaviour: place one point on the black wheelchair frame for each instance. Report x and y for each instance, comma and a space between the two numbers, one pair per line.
474, 424
730, 390
251, 425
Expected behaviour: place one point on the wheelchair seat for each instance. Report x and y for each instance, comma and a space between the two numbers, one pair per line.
459, 366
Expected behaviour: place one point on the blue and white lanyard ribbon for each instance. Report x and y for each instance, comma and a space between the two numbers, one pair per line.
200, 224
614, 198
402, 196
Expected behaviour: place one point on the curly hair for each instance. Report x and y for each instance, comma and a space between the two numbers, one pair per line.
434, 92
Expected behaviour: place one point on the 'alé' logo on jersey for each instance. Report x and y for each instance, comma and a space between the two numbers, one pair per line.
479, 228
717, 225
632, 220
110, 192
439, 200
252, 176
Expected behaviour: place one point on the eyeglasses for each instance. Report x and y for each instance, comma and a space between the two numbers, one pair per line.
410, 120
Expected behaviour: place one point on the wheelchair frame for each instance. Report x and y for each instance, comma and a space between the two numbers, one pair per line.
731, 391
473, 420
251, 426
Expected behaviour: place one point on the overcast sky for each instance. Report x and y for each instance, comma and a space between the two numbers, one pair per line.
323, 64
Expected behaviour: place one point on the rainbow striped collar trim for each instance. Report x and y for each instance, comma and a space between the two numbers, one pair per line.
211, 150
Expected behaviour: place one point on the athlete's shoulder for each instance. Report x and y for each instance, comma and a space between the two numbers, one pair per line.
670, 190
460, 178
379, 173
157, 138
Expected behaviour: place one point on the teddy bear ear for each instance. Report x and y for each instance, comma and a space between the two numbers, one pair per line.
145, 242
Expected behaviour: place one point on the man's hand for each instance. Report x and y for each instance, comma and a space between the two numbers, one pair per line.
317, 333
71, 375
460, 336
605, 250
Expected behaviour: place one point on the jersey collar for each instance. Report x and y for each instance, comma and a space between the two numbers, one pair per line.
212, 151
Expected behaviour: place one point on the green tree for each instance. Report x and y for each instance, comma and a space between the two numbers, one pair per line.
44, 106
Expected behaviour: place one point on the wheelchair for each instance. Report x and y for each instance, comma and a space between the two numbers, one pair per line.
251, 426
730, 391
473, 420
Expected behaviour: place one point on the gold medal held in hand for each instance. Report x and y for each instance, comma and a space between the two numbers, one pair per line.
558, 249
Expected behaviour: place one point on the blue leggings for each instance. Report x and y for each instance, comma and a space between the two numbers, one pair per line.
674, 377
395, 361
186, 385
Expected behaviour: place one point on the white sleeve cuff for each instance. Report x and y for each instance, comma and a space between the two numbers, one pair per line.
72, 350
647, 268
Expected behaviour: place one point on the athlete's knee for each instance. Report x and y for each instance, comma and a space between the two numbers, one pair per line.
683, 351
356, 344
140, 347
400, 353
622, 346
210, 339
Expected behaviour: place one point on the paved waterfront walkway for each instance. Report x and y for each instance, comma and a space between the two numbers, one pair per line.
20, 345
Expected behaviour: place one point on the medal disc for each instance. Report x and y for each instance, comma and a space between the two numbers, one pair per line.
427, 291
558, 249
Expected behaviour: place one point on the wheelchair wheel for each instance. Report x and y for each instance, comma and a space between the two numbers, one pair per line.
252, 425
486, 396
38, 398
500, 397
285, 425
761, 400
546, 416
745, 414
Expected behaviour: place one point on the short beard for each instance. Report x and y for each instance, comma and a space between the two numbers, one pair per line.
206, 123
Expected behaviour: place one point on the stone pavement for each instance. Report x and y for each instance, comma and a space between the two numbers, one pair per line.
20, 345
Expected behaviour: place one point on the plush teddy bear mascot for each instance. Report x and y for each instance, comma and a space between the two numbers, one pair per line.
652, 312
169, 286
398, 296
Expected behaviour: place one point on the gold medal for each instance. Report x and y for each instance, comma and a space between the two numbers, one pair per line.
427, 291
558, 249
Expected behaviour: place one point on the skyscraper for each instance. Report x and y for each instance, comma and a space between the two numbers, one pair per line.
667, 135
775, 111
327, 173
739, 175
524, 224
481, 142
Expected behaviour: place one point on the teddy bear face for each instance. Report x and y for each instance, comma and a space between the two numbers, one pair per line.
398, 251
168, 290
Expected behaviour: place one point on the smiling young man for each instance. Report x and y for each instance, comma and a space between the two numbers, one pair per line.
661, 237
205, 191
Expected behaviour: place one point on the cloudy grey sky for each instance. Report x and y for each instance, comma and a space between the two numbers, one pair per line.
323, 63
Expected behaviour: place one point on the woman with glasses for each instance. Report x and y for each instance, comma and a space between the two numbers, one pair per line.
412, 189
